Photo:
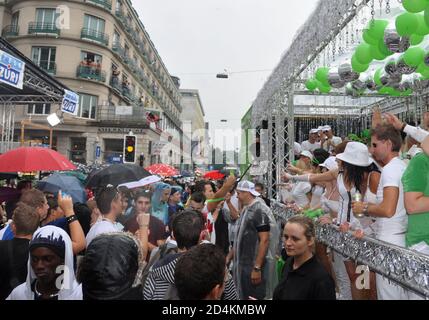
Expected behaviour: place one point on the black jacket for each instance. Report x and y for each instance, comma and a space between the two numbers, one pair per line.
309, 282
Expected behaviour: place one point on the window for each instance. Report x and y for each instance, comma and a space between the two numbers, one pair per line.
93, 23
46, 16
15, 19
118, 5
116, 38
44, 57
91, 58
87, 106
39, 108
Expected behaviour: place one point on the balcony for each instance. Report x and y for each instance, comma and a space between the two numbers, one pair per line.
43, 28
49, 66
90, 73
120, 14
110, 115
94, 35
106, 4
10, 31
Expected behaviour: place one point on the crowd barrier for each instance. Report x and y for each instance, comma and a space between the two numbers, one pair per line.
407, 268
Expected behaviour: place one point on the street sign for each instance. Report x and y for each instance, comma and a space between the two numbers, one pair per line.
98, 152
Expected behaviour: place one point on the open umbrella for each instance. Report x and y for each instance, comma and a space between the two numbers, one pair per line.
26, 159
163, 170
214, 175
115, 175
68, 184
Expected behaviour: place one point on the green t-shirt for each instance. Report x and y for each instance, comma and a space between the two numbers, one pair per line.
416, 179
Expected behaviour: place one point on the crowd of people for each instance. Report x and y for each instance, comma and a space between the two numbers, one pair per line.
219, 239
379, 190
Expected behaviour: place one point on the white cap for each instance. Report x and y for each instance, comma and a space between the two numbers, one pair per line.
247, 186
330, 164
319, 128
307, 154
314, 131
356, 153
326, 128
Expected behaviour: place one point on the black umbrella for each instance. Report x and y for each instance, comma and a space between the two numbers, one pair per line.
116, 174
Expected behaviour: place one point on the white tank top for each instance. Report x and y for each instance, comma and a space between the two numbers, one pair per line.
316, 194
329, 206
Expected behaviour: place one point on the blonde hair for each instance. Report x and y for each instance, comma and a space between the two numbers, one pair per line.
306, 223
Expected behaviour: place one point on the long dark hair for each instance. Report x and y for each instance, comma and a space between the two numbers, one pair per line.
355, 174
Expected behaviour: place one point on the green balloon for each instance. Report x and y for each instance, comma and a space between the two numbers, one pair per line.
368, 38
414, 6
422, 67
363, 53
357, 66
322, 75
407, 92
377, 54
324, 89
311, 84
377, 77
414, 56
422, 28
383, 49
415, 39
425, 74
426, 16
406, 24
376, 29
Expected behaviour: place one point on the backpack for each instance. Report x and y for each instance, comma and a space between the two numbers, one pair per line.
163, 250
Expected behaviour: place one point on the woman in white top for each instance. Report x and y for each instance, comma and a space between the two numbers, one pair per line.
356, 173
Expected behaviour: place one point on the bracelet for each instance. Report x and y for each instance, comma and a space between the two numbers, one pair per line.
143, 225
72, 218
365, 209
255, 268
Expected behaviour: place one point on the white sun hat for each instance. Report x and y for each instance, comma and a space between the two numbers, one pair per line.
330, 164
357, 154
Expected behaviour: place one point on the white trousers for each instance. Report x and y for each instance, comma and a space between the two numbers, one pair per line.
343, 280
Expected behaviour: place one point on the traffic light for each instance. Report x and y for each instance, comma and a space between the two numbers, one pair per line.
130, 149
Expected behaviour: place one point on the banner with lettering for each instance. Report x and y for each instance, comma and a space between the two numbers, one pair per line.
11, 70
70, 102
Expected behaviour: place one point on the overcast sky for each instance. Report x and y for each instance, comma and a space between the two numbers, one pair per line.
197, 39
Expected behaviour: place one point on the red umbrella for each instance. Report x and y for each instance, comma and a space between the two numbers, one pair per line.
163, 170
26, 159
214, 175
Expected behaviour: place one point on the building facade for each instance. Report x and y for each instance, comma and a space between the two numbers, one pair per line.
101, 50
196, 131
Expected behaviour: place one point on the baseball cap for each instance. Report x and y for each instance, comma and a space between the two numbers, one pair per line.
326, 128
307, 154
330, 164
314, 131
247, 186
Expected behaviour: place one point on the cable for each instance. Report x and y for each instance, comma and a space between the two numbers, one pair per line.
229, 73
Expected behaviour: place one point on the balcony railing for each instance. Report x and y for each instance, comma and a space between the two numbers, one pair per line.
106, 4
92, 73
10, 31
111, 115
48, 66
43, 27
94, 35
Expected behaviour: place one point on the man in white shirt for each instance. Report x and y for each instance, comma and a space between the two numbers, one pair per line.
330, 141
392, 220
311, 144
109, 203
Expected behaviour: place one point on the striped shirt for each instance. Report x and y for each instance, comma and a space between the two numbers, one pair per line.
160, 278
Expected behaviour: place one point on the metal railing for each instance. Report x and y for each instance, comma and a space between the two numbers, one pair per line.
48, 66
106, 4
112, 115
43, 27
92, 73
407, 268
10, 31
95, 35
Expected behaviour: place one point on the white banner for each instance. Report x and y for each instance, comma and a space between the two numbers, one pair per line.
11, 70
157, 147
70, 102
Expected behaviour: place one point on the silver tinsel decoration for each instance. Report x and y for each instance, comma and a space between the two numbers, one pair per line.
346, 73
335, 80
404, 68
408, 268
394, 42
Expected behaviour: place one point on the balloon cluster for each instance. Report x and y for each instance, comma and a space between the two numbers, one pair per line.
406, 70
